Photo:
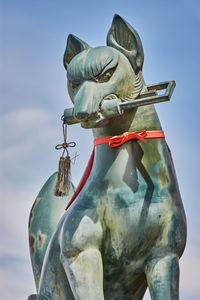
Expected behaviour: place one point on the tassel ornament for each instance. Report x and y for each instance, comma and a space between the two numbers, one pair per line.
63, 181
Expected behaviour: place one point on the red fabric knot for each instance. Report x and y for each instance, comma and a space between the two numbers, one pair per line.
119, 140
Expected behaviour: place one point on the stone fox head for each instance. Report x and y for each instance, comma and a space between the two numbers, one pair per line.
107, 72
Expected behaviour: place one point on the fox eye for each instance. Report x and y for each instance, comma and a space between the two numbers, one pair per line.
75, 85
105, 76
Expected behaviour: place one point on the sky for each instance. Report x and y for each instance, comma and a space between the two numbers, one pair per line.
33, 95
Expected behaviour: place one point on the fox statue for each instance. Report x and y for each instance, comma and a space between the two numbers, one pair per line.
126, 230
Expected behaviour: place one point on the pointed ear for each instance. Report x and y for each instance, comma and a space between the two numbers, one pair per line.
124, 38
74, 46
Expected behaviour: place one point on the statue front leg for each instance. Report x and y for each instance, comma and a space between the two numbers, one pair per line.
85, 274
163, 278
81, 258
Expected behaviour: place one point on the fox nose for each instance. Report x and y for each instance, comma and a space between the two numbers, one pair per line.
86, 102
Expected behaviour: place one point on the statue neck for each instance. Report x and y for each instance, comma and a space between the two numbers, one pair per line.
143, 118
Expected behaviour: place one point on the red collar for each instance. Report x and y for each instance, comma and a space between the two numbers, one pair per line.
118, 140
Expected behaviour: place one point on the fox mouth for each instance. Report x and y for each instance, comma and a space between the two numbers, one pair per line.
108, 108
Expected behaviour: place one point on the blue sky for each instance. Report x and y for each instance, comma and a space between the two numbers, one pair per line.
33, 93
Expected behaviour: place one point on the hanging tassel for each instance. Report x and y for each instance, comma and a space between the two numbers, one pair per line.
63, 181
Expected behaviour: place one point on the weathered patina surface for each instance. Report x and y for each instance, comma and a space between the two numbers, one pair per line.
127, 228
45, 214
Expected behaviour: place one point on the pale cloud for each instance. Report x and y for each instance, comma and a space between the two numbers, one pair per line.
190, 266
21, 124
24, 134
16, 274
16, 280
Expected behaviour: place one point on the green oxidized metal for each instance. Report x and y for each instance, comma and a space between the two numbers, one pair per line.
126, 230
44, 217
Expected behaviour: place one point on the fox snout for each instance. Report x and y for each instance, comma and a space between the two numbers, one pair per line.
86, 101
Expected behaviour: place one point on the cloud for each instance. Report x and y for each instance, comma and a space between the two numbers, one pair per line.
16, 287
190, 266
16, 274
25, 127
27, 135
